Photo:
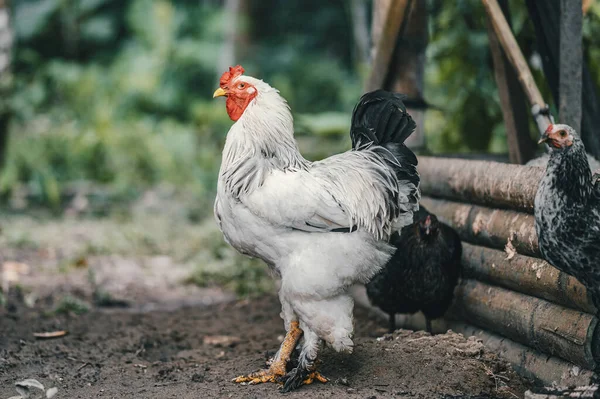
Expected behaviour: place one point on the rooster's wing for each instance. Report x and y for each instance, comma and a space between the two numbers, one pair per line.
345, 192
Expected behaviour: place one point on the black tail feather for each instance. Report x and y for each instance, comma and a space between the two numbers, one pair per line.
380, 118
380, 124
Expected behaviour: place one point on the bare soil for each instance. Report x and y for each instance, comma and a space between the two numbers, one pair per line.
173, 339
193, 352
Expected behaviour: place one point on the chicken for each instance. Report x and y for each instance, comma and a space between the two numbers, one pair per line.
321, 226
423, 272
567, 210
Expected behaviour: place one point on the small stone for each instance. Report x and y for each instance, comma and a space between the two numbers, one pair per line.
50, 393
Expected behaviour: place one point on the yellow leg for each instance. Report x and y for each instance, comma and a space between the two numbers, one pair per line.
278, 367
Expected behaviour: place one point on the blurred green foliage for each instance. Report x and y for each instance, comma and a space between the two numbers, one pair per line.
114, 97
118, 92
459, 76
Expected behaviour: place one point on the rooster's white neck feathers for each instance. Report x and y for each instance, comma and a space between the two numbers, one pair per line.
261, 140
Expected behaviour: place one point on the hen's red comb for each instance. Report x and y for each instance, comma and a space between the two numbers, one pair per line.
228, 76
549, 129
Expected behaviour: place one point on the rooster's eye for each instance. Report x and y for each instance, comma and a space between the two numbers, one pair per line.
563, 133
241, 85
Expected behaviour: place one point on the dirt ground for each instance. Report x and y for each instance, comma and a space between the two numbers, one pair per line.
173, 339
193, 352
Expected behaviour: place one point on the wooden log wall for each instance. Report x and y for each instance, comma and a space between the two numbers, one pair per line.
542, 325
527, 361
541, 319
507, 289
527, 275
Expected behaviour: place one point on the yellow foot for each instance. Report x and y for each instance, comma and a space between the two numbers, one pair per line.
277, 367
315, 375
259, 377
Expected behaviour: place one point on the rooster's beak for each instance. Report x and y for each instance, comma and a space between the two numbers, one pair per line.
543, 139
219, 92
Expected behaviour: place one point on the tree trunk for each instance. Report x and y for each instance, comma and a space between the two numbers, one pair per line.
6, 43
527, 275
388, 17
360, 31
545, 16
570, 65
480, 182
407, 68
236, 38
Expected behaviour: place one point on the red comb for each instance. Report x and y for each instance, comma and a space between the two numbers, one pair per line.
549, 129
228, 76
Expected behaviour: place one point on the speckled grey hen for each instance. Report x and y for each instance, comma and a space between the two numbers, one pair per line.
423, 272
567, 209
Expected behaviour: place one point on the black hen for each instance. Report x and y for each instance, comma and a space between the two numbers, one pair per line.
567, 210
423, 272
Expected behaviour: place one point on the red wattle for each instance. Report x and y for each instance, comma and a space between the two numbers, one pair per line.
237, 105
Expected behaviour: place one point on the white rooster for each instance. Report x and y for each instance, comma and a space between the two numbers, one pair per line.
322, 226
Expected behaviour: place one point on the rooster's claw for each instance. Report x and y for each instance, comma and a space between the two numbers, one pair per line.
259, 377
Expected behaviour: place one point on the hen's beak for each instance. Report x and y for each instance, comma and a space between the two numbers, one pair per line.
219, 92
427, 225
545, 137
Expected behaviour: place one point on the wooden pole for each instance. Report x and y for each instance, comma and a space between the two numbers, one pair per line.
407, 69
236, 39
547, 327
571, 59
515, 56
512, 232
527, 275
387, 35
480, 182
520, 146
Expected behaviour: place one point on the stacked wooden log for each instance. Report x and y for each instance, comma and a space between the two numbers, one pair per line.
507, 289
540, 319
